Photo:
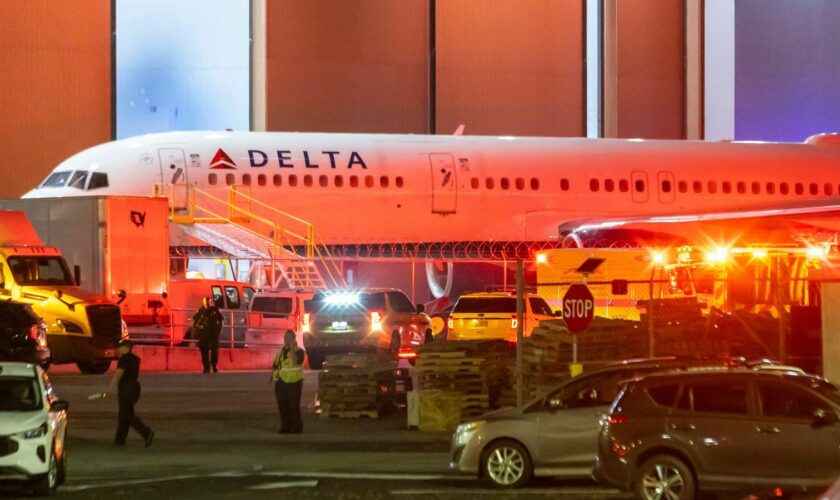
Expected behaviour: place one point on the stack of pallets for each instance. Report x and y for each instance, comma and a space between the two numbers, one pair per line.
473, 372
361, 385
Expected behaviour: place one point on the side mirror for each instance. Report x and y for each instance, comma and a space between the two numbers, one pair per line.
823, 418
421, 308
59, 405
122, 295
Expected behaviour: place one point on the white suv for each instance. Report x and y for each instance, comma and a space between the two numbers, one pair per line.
33, 423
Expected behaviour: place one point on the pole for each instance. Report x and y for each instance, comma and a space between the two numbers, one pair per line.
231, 336
780, 307
651, 340
520, 309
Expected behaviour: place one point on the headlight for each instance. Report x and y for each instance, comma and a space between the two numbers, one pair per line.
469, 427
35, 433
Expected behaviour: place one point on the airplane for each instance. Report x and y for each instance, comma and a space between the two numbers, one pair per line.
365, 188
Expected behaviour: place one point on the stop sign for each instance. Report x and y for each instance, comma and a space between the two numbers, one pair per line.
578, 308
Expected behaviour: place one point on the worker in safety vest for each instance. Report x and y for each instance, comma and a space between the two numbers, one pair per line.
287, 374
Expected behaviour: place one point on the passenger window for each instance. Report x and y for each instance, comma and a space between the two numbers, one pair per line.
609, 185
698, 187
682, 186
338, 181
373, 301
799, 188
230, 179
771, 188
664, 395
756, 188
218, 296
293, 180
400, 303
277, 179
535, 184
323, 181
354, 181
712, 187
623, 185
666, 186
726, 187
594, 185
383, 181
261, 180
474, 183
307, 180
232, 295
539, 306
639, 185
828, 189
564, 184
247, 295
505, 183
368, 181
785, 401
742, 187
212, 179
814, 188
719, 397
246, 179
489, 183
520, 183
399, 182
784, 188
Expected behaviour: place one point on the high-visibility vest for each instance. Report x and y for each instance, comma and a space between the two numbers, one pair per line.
286, 368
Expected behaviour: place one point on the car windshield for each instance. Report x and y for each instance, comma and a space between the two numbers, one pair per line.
19, 394
275, 305
40, 271
485, 305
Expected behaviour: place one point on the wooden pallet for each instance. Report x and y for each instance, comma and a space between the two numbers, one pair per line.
372, 414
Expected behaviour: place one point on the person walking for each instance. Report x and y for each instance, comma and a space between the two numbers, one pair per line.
207, 326
126, 382
287, 374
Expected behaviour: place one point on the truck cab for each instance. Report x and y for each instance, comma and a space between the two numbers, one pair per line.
81, 327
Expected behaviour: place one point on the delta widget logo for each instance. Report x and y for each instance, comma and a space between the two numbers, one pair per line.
221, 160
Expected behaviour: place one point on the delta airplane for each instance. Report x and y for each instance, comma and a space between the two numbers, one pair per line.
362, 188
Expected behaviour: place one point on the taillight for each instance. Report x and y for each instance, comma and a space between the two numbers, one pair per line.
33, 332
450, 323
375, 321
304, 326
618, 419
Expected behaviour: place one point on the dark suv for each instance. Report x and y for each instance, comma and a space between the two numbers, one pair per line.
673, 435
22, 335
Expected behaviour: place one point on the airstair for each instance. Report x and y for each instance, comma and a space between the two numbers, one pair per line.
285, 247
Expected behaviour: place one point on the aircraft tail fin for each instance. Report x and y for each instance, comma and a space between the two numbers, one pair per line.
459, 130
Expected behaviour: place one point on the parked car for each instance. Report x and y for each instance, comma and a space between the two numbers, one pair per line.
383, 320
675, 435
554, 435
273, 312
33, 424
23, 335
492, 315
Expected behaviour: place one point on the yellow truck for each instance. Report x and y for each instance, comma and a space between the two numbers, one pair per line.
82, 327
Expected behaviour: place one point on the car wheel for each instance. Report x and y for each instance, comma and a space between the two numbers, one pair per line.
45, 484
316, 359
94, 367
665, 477
507, 464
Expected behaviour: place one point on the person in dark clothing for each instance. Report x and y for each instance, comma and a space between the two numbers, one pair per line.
287, 375
128, 392
207, 326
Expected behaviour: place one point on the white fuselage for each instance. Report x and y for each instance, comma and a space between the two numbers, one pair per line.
358, 188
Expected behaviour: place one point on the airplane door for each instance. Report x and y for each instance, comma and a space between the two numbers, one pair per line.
639, 186
444, 184
173, 171
666, 187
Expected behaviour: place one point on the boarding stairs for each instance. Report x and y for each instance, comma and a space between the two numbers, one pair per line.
283, 246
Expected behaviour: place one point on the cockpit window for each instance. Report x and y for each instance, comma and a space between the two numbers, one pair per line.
58, 179
98, 180
78, 179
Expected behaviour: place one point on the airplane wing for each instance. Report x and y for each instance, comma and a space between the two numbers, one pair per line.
725, 225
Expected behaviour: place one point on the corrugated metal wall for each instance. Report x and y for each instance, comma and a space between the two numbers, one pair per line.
55, 93
353, 65
508, 67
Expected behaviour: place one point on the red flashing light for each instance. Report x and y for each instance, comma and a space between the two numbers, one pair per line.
618, 419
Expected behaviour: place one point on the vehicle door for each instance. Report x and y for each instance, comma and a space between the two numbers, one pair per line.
403, 316
714, 422
237, 315
444, 184
173, 172
538, 310
786, 421
569, 423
